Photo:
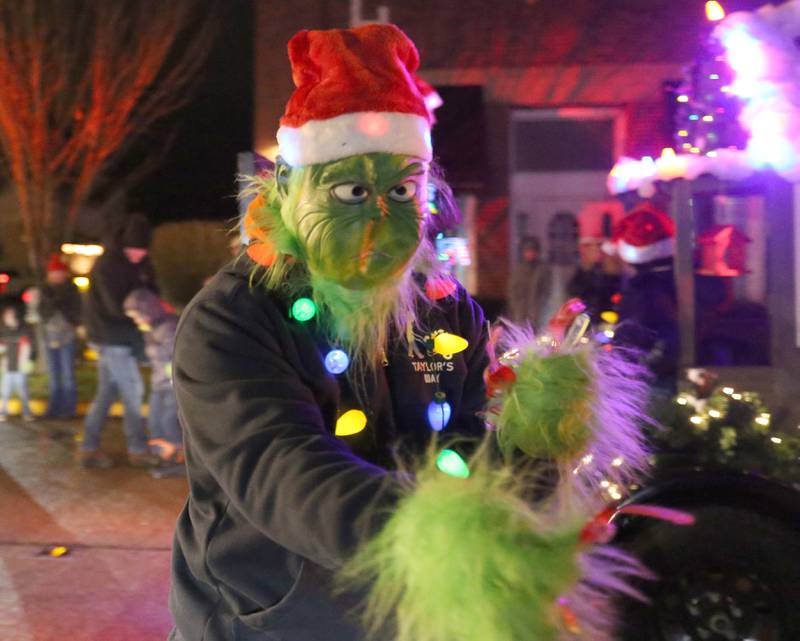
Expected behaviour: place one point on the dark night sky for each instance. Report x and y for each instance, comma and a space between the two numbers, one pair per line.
197, 176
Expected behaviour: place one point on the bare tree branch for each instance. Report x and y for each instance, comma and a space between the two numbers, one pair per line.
80, 80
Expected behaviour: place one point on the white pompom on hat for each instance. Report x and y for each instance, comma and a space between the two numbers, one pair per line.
356, 92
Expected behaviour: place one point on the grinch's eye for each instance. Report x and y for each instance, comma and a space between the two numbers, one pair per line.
403, 192
350, 193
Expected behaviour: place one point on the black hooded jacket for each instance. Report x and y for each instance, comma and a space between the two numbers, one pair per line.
113, 277
277, 502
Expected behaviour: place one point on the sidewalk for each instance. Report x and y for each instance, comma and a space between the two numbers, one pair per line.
116, 524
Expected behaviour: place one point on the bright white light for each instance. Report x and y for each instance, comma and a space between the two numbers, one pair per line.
776, 440
586, 460
714, 413
727, 390
617, 462
745, 54
762, 421
82, 250
714, 11
736, 396
682, 400
697, 420
604, 483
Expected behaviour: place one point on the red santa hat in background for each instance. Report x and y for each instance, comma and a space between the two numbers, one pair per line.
357, 92
644, 235
56, 264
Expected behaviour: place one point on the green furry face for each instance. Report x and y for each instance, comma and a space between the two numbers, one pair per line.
358, 220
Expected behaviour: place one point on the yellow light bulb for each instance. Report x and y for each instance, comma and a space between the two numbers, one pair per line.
446, 344
351, 422
714, 11
610, 317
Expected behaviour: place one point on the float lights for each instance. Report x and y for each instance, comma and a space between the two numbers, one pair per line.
736, 396
776, 440
336, 361
617, 462
714, 413
452, 464
763, 420
81, 282
611, 317
697, 420
303, 309
682, 400
694, 117
351, 422
714, 11
727, 390
438, 412
713, 76
708, 118
71, 249
682, 98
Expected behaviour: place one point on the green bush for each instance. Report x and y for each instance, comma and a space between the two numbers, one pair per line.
186, 254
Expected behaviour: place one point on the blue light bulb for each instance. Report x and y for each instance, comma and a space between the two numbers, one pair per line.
336, 361
438, 412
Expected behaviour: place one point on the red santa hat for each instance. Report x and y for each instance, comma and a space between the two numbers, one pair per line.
55, 264
356, 93
644, 235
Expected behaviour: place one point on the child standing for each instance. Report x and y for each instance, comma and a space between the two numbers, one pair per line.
158, 326
17, 346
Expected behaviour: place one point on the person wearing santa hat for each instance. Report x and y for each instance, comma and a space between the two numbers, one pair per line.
648, 309
60, 311
307, 365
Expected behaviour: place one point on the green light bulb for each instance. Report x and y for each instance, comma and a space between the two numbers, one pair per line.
451, 463
303, 309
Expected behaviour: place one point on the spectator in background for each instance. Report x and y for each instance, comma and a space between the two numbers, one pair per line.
16, 361
145, 308
121, 269
595, 280
648, 310
60, 313
530, 284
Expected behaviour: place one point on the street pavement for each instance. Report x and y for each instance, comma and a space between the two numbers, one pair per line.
116, 525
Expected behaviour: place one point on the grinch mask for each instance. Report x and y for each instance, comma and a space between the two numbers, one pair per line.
357, 222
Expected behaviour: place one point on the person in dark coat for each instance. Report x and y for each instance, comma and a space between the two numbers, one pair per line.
121, 269
306, 367
150, 313
648, 309
529, 285
16, 360
60, 312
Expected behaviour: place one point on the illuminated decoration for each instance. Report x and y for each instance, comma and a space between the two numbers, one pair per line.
81, 282
743, 112
610, 317
433, 208
351, 422
451, 463
446, 344
58, 551
72, 249
336, 361
440, 287
714, 11
303, 309
438, 412
723, 251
